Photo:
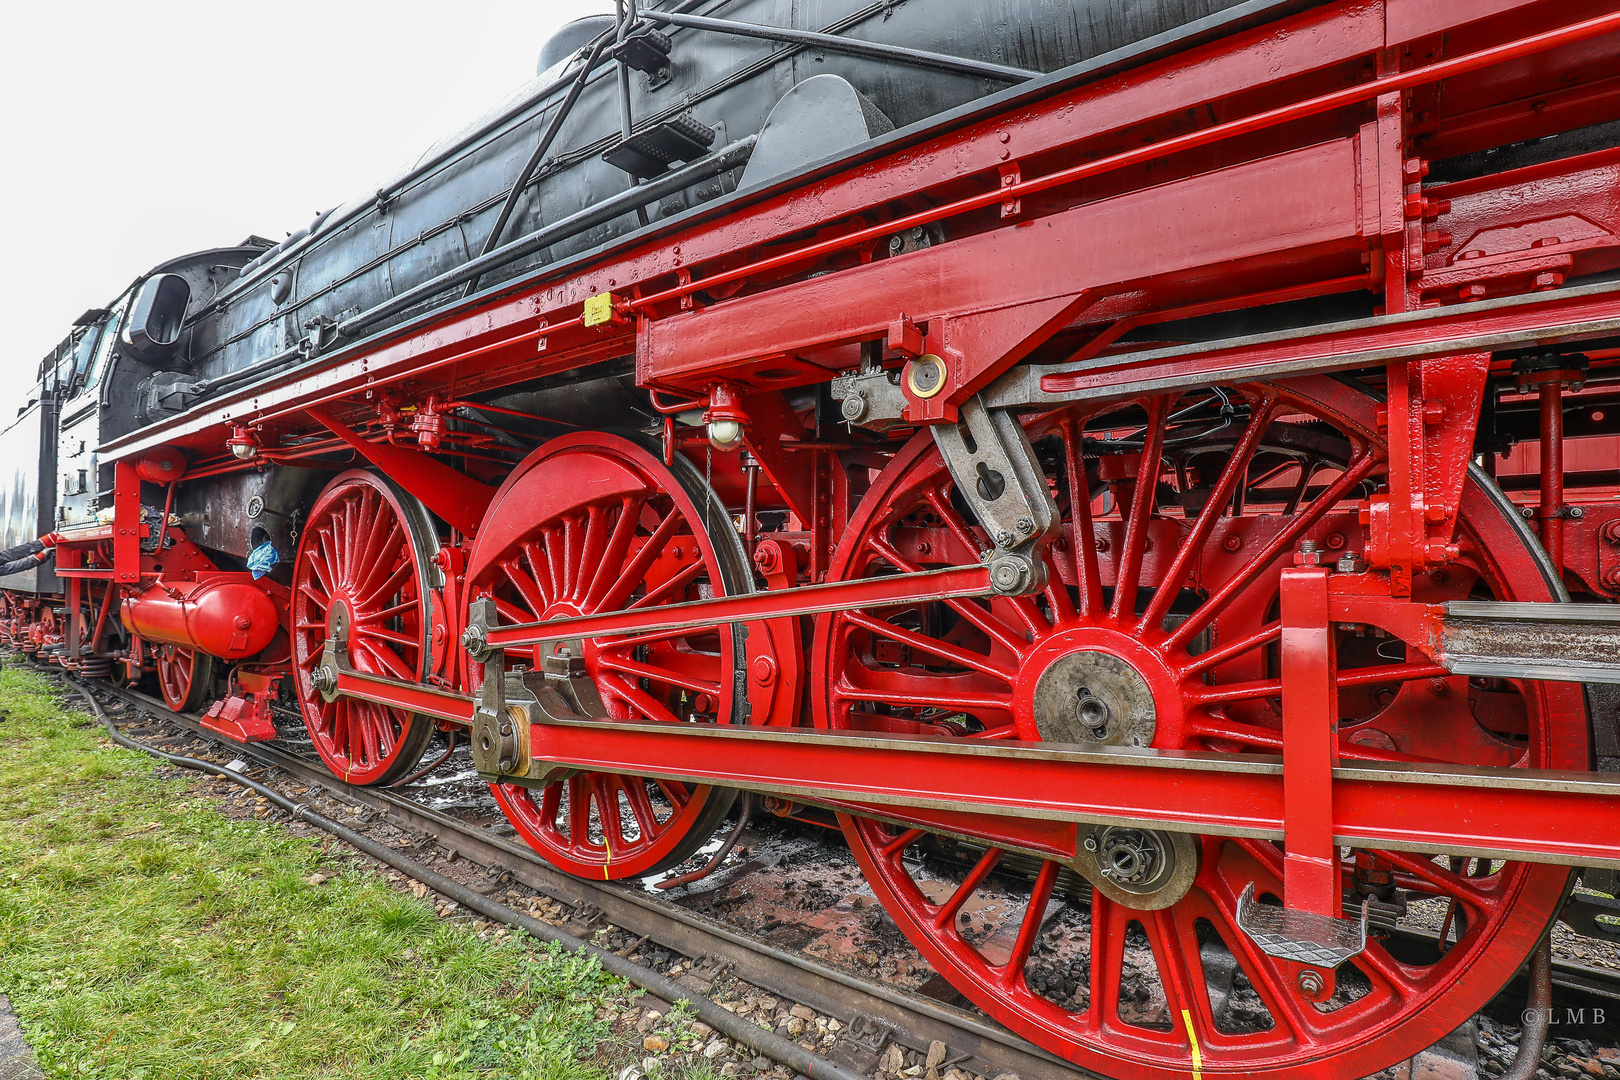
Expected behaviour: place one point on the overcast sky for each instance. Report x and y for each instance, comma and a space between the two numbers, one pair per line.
134, 132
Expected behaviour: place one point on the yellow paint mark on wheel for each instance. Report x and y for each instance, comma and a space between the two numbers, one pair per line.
1198, 1063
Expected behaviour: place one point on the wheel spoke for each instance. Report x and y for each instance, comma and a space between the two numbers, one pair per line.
579, 812
940, 502
982, 619
922, 699
612, 558
550, 801
1181, 974
382, 633
317, 563
572, 551
931, 646
1477, 893
406, 571
1012, 971
1233, 649
527, 588
1143, 500
659, 674
1192, 545
1285, 540
670, 590
619, 592
593, 545
1346, 677
638, 699
604, 788
377, 540
1108, 923
1083, 538
409, 607
945, 914
647, 823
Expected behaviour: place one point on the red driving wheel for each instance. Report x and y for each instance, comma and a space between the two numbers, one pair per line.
184, 676
594, 522
1159, 627
363, 566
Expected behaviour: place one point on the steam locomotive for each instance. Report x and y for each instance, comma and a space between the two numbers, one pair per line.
1167, 445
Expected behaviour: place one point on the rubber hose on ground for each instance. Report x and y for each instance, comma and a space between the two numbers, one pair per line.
727, 1023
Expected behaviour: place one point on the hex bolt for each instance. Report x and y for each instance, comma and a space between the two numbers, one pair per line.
1310, 983
1025, 526
1090, 842
1008, 575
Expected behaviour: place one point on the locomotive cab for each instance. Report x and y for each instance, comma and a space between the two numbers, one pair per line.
82, 481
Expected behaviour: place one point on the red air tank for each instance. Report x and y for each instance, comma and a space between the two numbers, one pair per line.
225, 615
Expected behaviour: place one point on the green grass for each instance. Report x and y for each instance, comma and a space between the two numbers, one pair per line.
144, 934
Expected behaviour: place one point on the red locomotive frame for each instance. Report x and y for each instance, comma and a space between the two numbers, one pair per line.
1282, 163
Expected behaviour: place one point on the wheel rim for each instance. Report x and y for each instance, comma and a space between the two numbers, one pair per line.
363, 560
986, 669
596, 522
177, 670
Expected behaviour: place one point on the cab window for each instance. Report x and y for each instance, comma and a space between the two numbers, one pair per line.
84, 353
109, 338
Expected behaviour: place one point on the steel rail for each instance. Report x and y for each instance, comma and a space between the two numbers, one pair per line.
907, 1018
903, 1017
711, 1012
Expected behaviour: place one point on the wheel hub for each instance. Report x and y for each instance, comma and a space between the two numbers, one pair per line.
1094, 697
1143, 869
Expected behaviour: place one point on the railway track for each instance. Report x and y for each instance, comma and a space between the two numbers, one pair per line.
876, 1016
